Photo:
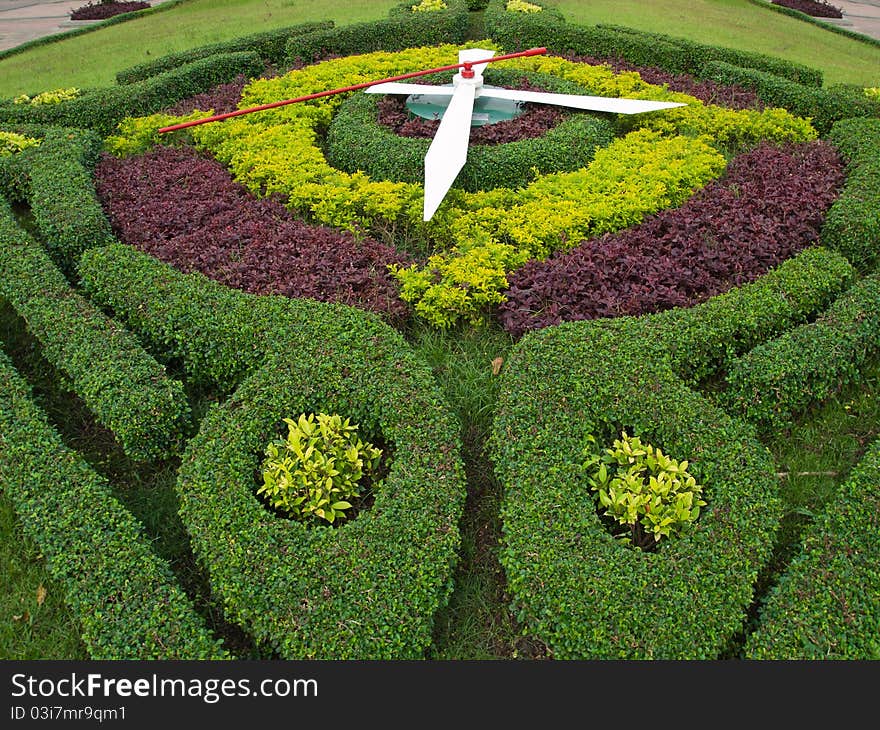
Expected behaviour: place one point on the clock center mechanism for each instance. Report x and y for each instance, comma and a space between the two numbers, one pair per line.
487, 109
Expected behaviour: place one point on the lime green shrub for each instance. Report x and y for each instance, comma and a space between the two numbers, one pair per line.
318, 468
12, 143
521, 6
427, 6
55, 96
647, 493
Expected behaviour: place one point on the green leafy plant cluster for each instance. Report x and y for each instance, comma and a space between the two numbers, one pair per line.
318, 468
125, 597
647, 493
12, 143
55, 96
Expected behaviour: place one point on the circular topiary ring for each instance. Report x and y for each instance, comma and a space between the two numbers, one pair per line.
370, 587
356, 141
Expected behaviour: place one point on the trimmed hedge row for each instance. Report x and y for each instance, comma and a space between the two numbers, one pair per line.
62, 196
574, 586
368, 589
218, 336
125, 597
271, 46
781, 378
678, 55
102, 109
827, 604
125, 388
822, 106
355, 141
852, 225
403, 29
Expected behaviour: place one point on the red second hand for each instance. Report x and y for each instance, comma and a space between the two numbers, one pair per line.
467, 66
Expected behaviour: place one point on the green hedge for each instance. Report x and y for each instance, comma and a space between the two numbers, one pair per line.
125, 388
355, 141
827, 604
368, 589
822, 106
403, 29
271, 46
699, 54
216, 335
573, 585
779, 379
852, 225
125, 597
677, 55
102, 109
62, 195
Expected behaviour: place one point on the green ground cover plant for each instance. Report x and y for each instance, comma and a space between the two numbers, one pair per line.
484, 540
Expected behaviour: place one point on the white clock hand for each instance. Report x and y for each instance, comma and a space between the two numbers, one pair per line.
448, 152
576, 101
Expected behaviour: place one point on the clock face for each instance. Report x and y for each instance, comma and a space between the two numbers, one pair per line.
493, 208
487, 109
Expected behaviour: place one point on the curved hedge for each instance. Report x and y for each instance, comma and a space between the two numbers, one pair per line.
126, 598
62, 196
782, 377
827, 604
355, 141
573, 585
403, 29
126, 389
368, 589
271, 46
679, 55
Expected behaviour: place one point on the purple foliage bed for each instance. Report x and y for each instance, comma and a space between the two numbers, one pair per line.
186, 210
769, 205
104, 10
815, 8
